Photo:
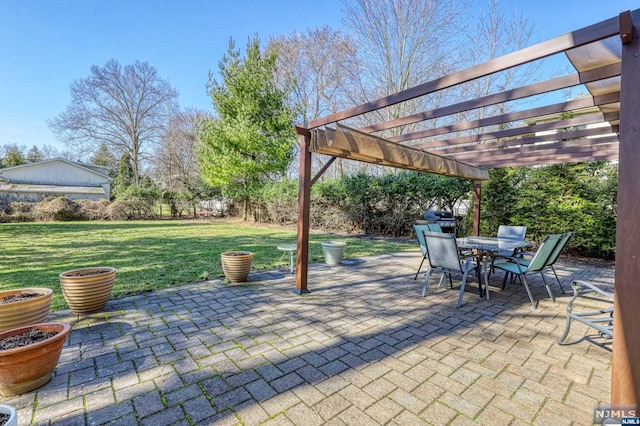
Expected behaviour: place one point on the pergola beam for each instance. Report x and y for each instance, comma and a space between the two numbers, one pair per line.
625, 371
526, 145
573, 154
603, 155
594, 118
559, 44
572, 105
551, 85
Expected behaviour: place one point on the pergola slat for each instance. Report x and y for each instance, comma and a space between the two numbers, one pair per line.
559, 44
525, 144
604, 155
594, 118
571, 105
540, 153
497, 98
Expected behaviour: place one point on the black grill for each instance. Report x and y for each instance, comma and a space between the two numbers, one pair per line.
445, 219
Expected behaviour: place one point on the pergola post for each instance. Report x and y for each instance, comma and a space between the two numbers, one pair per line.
477, 192
304, 204
625, 372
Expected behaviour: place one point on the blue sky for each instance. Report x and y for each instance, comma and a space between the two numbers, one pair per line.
46, 44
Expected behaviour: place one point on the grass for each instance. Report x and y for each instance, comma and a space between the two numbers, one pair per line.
150, 255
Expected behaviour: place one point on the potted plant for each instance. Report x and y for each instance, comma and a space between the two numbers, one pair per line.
28, 356
236, 265
87, 289
333, 252
24, 306
8, 416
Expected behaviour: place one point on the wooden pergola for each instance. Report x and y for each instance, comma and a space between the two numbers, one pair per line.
605, 125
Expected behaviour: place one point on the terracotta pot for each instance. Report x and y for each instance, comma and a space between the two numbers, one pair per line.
25, 312
236, 265
29, 367
13, 416
86, 290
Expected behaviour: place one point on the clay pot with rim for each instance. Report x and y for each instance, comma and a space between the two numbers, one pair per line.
333, 252
25, 312
88, 289
29, 367
236, 265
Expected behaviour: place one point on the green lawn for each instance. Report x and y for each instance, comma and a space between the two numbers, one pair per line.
149, 255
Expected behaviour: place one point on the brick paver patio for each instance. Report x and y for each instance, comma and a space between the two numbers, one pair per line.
362, 348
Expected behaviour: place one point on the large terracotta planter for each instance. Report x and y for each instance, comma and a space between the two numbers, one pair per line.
25, 312
28, 367
88, 289
236, 265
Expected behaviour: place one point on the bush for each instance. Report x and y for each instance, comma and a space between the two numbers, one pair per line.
94, 210
130, 209
17, 212
20, 207
57, 209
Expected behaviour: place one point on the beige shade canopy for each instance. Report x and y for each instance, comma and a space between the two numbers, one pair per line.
345, 142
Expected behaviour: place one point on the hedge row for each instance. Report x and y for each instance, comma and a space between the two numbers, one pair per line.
64, 209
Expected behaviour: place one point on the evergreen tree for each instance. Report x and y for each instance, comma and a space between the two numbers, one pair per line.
13, 158
34, 155
104, 157
125, 176
252, 138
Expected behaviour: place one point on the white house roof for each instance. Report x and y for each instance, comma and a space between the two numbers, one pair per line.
91, 168
51, 189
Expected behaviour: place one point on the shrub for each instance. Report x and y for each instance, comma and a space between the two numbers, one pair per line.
57, 209
19, 211
94, 210
130, 209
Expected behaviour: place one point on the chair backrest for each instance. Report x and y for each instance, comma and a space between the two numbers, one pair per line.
512, 232
561, 245
544, 252
419, 230
434, 227
442, 250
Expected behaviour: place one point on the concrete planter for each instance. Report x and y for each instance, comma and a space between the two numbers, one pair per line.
236, 265
29, 367
25, 312
11, 412
333, 252
88, 289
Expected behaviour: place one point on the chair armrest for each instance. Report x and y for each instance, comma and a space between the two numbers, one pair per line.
580, 288
600, 319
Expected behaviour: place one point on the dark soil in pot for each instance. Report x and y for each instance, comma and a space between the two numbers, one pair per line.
34, 335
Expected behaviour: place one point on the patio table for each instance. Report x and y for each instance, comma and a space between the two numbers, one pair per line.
485, 247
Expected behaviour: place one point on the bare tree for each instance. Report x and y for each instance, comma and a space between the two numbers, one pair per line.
49, 152
496, 35
401, 44
177, 164
127, 108
315, 66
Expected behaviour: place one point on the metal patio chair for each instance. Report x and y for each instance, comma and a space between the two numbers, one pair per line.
444, 256
601, 300
515, 265
419, 230
554, 257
